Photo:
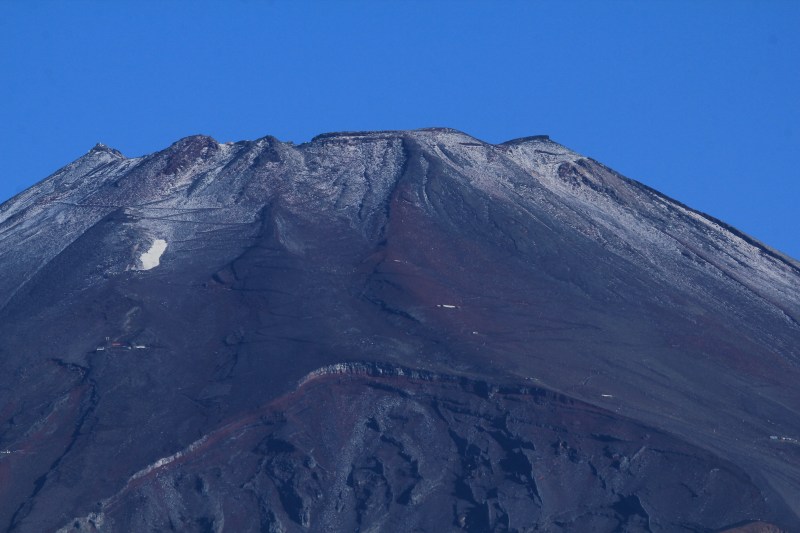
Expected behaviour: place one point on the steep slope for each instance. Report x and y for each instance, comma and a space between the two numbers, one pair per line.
520, 337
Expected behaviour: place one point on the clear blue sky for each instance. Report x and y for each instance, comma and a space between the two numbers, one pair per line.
698, 99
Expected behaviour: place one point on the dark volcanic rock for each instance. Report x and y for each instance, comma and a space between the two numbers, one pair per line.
395, 331
405, 451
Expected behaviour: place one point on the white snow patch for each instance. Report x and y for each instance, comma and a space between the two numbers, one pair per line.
152, 257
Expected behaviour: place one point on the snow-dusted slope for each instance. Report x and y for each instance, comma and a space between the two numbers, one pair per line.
350, 176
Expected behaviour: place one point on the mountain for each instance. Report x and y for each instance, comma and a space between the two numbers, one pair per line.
388, 331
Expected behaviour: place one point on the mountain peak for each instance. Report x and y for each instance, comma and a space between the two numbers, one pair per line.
102, 148
198, 140
509, 330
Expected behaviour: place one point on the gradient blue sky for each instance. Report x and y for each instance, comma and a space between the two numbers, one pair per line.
698, 99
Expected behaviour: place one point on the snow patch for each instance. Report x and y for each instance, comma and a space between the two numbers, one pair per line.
152, 257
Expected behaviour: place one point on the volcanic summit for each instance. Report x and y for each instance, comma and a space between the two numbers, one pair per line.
388, 331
